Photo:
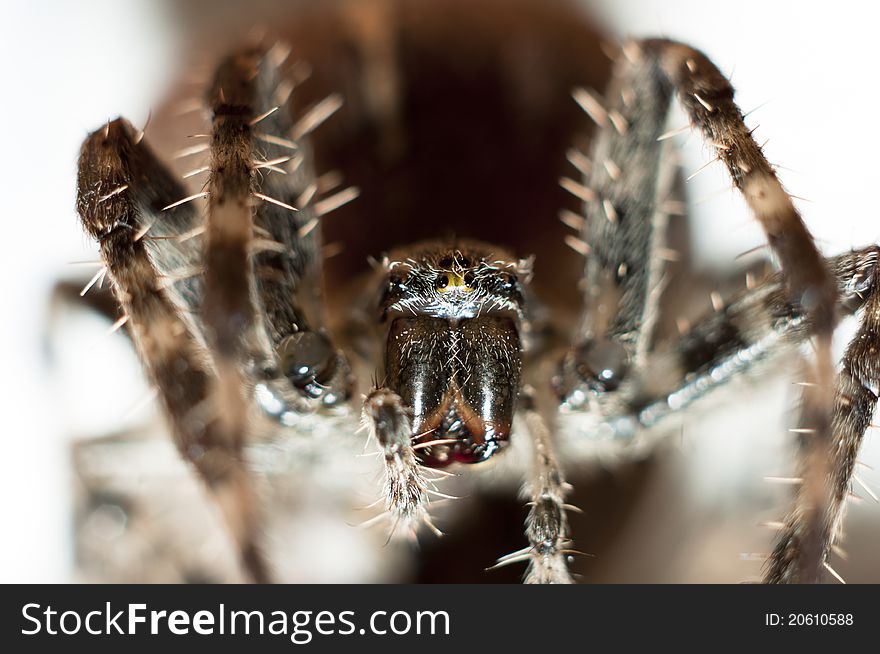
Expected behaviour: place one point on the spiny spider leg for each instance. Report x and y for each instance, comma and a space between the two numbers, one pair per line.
287, 254
855, 399
753, 327
625, 221
707, 96
756, 325
662, 67
112, 159
227, 310
547, 523
244, 308
270, 318
405, 488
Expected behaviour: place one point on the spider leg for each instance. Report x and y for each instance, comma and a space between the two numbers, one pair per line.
752, 328
805, 532
229, 316
547, 523
645, 78
625, 222
112, 159
406, 488
262, 263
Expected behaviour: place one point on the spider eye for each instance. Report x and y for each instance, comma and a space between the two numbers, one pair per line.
397, 283
446, 262
602, 364
446, 283
306, 358
469, 279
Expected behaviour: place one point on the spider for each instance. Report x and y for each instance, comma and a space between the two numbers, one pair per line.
226, 306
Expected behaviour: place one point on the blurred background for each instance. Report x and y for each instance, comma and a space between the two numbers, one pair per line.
806, 69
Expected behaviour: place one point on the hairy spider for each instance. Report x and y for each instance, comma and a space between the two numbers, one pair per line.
225, 306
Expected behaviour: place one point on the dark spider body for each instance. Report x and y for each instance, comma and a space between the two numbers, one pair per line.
457, 121
453, 353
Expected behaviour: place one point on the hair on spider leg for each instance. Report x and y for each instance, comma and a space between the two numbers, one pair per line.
579, 160
272, 139
337, 200
275, 201
572, 220
189, 198
675, 132
191, 150
612, 169
578, 245
592, 105
98, 277
577, 189
314, 117
702, 168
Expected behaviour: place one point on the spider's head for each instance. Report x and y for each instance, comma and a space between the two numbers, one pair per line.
459, 281
453, 353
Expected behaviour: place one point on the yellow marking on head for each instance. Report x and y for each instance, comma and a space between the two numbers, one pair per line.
449, 281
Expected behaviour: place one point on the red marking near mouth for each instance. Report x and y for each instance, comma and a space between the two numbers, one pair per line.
455, 433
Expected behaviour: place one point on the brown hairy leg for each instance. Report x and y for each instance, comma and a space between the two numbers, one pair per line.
122, 188
621, 194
